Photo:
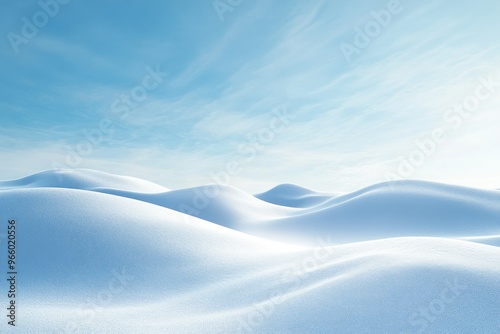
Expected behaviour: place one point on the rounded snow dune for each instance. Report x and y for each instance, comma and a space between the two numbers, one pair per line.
99, 263
86, 179
294, 196
394, 209
398, 209
125, 257
293, 214
221, 204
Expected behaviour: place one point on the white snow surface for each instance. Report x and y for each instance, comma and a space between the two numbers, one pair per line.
99, 253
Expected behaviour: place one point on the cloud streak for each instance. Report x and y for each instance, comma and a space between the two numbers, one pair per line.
351, 121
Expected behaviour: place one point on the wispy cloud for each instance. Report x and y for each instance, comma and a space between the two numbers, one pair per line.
352, 121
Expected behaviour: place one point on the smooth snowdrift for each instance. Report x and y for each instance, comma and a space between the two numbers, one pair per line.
109, 258
221, 204
294, 196
402, 208
300, 215
82, 179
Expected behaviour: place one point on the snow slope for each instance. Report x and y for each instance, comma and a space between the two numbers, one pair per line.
82, 179
111, 258
395, 209
294, 196
290, 213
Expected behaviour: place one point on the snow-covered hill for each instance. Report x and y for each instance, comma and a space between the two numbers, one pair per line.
84, 179
100, 253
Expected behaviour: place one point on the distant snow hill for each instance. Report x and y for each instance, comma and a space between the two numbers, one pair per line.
100, 253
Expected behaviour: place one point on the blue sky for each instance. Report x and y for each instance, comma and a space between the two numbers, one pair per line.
228, 69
